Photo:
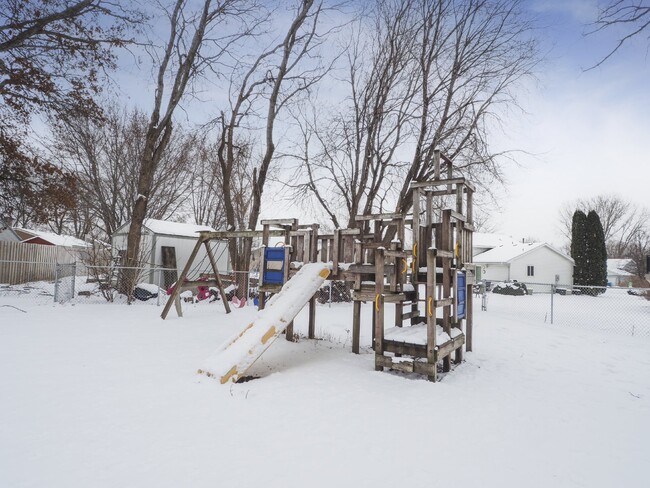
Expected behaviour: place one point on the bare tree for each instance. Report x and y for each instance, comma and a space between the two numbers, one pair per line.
616, 214
267, 84
438, 75
352, 167
184, 56
52, 57
104, 155
207, 196
631, 16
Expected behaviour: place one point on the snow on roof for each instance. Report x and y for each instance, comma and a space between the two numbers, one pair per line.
56, 239
175, 228
508, 252
616, 267
489, 240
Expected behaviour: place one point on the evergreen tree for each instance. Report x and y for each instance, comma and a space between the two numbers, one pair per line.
597, 255
579, 250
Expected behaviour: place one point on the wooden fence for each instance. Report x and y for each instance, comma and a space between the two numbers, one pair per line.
23, 263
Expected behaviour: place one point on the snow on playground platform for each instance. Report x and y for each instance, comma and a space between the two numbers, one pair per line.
107, 396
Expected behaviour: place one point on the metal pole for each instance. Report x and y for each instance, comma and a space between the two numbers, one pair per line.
74, 279
330, 300
552, 293
249, 301
56, 281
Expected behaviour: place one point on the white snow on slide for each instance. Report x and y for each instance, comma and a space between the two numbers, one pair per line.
235, 356
107, 396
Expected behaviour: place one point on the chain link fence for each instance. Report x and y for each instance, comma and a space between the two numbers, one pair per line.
39, 283
613, 309
47, 283
621, 310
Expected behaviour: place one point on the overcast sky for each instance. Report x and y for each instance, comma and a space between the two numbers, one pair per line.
589, 130
585, 132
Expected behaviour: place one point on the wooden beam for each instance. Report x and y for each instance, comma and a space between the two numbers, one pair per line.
381, 216
445, 181
215, 268
280, 222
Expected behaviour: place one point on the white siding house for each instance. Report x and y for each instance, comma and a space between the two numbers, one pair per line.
535, 262
163, 241
617, 272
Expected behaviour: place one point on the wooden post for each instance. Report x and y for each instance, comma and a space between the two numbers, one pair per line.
177, 289
378, 305
313, 257
336, 247
215, 269
458, 323
287, 252
356, 325
430, 310
177, 304
416, 251
356, 310
446, 280
436, 164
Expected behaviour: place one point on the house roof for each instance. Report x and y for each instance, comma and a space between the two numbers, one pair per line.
616, 267
490, 241
164, 227
54, 239
507, 252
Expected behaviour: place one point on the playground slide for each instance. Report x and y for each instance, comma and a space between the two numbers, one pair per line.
231, 360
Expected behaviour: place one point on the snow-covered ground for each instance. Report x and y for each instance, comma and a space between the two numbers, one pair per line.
108, 396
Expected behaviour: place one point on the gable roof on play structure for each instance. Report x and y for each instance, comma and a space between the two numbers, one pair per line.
164, 227
509, 252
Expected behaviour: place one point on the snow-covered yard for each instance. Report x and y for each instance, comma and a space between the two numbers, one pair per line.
108, 396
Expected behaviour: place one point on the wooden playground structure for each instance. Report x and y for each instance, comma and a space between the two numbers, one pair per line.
421, 262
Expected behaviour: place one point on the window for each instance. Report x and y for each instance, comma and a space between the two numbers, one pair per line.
530, 271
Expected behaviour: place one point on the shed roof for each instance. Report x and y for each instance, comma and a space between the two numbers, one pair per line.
163, 227
508, 252
490, 240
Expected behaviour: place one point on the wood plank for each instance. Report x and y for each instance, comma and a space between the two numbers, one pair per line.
441, 182
282, 222
444, 350
417, 367
405, 348
356, 326
381, 216
411, 314
369, 296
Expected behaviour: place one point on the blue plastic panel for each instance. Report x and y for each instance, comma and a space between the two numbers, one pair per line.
462, 294
274, 266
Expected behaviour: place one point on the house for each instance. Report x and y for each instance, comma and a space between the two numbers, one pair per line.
7, 233
169, 245
535, 262
617, 272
